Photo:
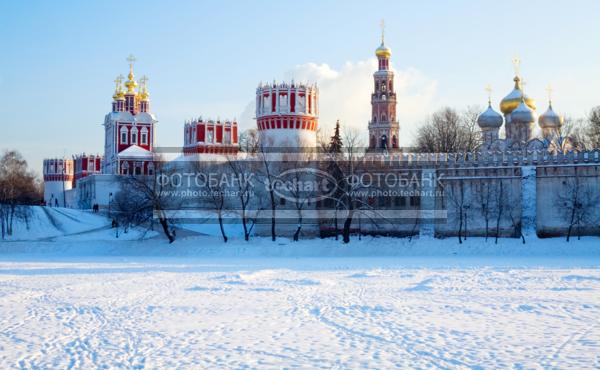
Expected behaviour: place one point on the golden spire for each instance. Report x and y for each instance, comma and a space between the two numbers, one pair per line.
144, 95
383, 51
131, 84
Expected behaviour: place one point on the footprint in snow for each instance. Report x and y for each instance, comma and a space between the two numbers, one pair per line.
299, 282
203, 289
580, 278
422, 286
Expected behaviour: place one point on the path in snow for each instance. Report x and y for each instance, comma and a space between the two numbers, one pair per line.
237, 312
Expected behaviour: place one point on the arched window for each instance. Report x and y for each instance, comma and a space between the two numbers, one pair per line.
138, 168
134, 136
150, 168
374, 119
123, 135
144, 136
372, 143
124, 168
383, 117
394, 142
384, 142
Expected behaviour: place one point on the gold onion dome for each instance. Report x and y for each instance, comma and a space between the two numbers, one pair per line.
119, 95
523, 113
550, 119
490, 118
513, 100
130, 84
383, 51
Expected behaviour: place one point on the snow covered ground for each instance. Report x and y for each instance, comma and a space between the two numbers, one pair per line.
88, 301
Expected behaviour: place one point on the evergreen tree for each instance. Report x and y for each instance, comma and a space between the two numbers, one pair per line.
336, 143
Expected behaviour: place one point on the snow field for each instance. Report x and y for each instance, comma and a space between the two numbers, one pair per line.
325, 314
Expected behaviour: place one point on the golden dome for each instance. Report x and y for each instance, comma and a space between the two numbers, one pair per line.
119, 95
383, 51
512, 100
130, 84
143, 93
144, 96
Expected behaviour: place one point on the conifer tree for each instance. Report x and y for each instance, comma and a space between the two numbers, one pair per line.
336, 143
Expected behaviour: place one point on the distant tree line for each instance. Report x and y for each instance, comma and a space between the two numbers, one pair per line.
449, 130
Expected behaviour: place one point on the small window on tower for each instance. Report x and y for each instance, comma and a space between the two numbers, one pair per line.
123, 136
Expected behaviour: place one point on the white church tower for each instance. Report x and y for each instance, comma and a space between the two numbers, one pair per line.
129, 129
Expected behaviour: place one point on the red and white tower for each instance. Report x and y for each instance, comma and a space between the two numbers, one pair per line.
129, 129
58, 180
287, 115
86, 165
218, 137
384, 129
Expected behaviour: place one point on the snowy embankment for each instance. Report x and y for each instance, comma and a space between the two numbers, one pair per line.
60, 233
48, 222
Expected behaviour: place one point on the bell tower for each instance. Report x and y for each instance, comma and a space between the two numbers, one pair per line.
384, 129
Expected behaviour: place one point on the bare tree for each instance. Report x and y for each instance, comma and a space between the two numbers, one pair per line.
500, 197
348, 165
576, 203
305, 184
216, 175
242, 173
448, 131
217, 196
18, 188
459, 196
145, 196
485, 199
268, 173
249, 141
592, 129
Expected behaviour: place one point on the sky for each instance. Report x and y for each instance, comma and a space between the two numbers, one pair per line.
58, 60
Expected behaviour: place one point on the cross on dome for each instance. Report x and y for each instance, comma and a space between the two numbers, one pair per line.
488, 89
549, 90
517, 65
131, 60
118, 81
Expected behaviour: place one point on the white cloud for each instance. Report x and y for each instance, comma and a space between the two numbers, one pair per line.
345, 94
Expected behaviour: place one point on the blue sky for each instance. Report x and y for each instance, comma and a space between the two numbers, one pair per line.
205, 58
